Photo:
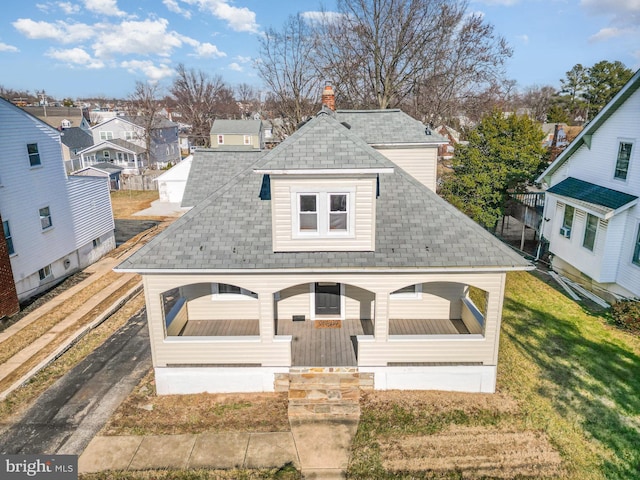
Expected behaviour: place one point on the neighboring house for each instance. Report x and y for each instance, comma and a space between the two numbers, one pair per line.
592, 217
405, 141
321, 255
61, 117
106, 170
237, 134
126, 130
132, 158
74, 140
171, 183
446, 151
53, 224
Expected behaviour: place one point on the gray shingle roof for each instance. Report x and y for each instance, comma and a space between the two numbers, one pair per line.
591, 193
387, 127
76, 137
239, 127
231, 229
323, 143
158, 121
212, 169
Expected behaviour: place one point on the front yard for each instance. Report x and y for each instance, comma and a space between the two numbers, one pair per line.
567, 406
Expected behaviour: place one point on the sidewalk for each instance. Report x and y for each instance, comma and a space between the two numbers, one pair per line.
320, 449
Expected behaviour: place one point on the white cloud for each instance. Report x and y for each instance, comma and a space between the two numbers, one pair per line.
148, 37
235, 67
68, 7
208, 50
242, 59
61, 31
43, 7
4, 47
104, 7
524, 38
318, 17
173, 6
623, 15
607, 33
153, 72
76, 57
240, 19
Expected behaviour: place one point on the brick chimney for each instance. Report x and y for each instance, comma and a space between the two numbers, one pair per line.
9, 304
329, 97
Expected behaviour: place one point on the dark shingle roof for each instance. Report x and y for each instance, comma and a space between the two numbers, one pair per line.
231, 229
239, 127
377, 127
591, 193
76, 137
158, 122
323, 143
211, 169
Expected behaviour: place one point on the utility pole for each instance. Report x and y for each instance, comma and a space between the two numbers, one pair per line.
43, 98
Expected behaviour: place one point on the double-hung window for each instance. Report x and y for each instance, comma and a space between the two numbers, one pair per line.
590, 232
225, 291
636, 249
622, 162
44, 272
567, 221
7, 237
34, 155
323, 213
45, 218
106, 135
220, 139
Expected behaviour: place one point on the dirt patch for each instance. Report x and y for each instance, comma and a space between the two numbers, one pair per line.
145, 413
127, 202
475, 452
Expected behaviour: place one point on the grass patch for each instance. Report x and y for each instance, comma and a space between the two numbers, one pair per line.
145, 413
127, 202
565, 376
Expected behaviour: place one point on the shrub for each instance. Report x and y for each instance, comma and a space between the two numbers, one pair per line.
626, 313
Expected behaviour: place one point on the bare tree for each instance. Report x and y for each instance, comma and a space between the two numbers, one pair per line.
197, 95
247, 97
144, 104
538, 100
285, 68
428, 53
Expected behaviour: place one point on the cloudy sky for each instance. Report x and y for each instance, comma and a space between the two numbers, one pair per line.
78, 48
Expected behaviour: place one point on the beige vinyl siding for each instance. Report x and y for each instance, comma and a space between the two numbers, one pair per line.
203, 305
294, 301
438, 301
363, 230
471, 317
235, 139
271, 350
419, 162
359, 303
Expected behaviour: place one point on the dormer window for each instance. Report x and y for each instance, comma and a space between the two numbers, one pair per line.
323, 213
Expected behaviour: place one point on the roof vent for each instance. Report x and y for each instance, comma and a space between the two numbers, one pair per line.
347, 125
427, 131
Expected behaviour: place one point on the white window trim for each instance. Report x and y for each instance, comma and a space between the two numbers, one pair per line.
633, 245
247, 140
244, 295
220, 139
415, 295
108, 135
595, 235
621, 140
39, 164
45, 269
50, 227
322, 205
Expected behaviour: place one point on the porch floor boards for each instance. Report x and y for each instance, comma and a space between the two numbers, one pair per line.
324, 347
220, 328
403, 326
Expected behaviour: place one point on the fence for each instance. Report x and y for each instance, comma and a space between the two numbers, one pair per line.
140, 182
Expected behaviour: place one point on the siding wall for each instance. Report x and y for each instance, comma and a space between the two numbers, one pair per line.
364, 215
203, 305
269, 350
421, 163
597, 165
438, 301
235, 140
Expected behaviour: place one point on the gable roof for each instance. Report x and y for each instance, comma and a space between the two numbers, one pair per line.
211, 169
603, 200
584, 137
388, 127
231, 228
323, 144
139, 121
116, 144
239, 127
23, 112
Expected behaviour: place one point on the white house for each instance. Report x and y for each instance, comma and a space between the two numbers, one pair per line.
53, 223
171, 184
591, 215
321, 255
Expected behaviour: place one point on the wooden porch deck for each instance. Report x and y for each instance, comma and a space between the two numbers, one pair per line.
323, 347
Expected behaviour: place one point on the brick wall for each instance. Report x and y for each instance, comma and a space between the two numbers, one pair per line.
8, 296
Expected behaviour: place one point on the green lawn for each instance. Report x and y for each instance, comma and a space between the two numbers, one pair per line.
571, 376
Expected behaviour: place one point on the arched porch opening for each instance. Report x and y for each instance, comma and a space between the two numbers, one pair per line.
324, 320
437, 308
210, 310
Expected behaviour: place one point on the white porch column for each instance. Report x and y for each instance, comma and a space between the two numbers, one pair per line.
495, 304
381, 326
265, 306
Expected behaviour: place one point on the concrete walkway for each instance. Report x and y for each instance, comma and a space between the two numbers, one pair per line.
320, 449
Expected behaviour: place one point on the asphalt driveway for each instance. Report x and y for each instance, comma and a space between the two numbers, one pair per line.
66, 417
